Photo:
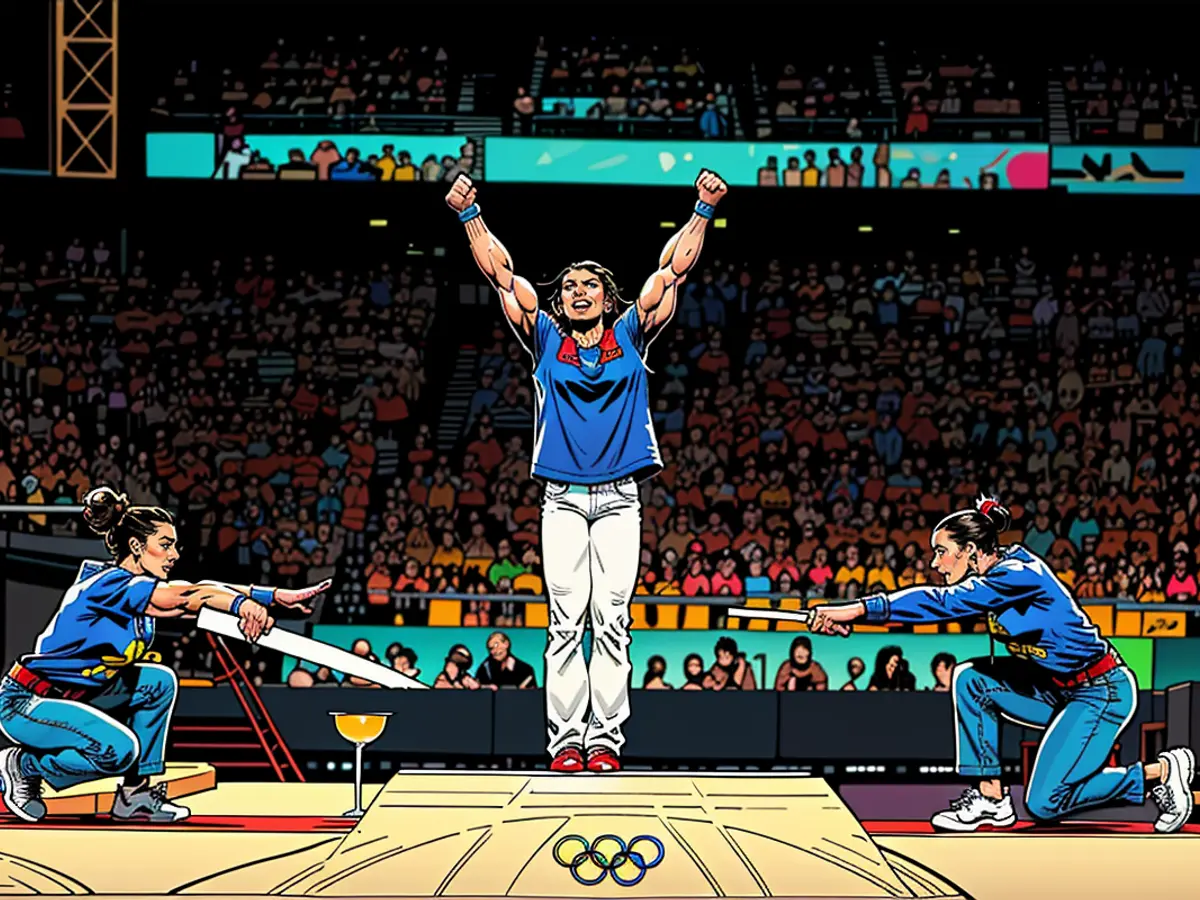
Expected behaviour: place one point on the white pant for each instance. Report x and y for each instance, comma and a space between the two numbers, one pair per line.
591, 550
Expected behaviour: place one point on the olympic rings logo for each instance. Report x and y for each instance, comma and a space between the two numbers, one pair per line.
591, 862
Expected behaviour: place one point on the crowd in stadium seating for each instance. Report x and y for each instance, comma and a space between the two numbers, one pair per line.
829, 98
816, 418
583, 83
1120, 104
344, 77
943, 87
625, 80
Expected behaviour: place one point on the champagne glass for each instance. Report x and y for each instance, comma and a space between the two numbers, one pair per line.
360, 730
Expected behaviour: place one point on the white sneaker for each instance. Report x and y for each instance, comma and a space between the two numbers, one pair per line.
22, 795
973, 809
1174, 796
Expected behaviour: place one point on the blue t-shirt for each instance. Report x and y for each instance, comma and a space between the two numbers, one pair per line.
592, 406
100, 627
1028, 610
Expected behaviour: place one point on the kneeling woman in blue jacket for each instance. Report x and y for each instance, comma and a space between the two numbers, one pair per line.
91, 701
1060, 675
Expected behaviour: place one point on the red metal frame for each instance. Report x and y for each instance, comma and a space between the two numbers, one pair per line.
233, 672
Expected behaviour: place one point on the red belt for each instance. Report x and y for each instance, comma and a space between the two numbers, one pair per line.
42, 687
1106, 664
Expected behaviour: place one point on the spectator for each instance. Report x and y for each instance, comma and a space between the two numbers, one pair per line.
655, 677
731, 671
456, 673
854, 669
503, 670
800, 672
693, 671
891, 672
1181, 588
943, 672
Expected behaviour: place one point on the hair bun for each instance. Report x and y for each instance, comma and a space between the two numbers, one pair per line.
103, 509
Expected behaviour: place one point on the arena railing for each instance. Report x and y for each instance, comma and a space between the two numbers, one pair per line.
743, 599
874, 128
390, 123
1083, 133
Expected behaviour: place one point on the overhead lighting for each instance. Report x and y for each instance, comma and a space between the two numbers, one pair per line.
720, 223
379, 223
666, 224
863, 229
955, 231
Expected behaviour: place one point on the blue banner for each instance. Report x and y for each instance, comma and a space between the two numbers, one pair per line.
1126, 170
633, 162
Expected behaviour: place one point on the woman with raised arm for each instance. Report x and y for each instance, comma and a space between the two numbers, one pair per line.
1060, 675
593, 443
92, 701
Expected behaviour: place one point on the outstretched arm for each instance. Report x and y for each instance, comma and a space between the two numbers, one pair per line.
656, 304
175, 599
999, 589
281, 596
519, 298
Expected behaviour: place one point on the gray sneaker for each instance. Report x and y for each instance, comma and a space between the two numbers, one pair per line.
22, 795
146, 804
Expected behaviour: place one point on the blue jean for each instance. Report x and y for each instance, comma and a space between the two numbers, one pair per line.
68, 742
1070, 772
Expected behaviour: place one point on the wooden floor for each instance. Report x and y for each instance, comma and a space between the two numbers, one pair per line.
493, 834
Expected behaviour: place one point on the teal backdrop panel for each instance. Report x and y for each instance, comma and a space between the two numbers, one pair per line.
650, 162
529, 644
191, 154
1176, 661
1126, 170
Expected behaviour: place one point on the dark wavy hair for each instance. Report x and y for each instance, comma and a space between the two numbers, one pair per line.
981, 526
611, 291
111, 516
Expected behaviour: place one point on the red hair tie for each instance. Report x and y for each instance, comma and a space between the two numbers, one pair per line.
987, 506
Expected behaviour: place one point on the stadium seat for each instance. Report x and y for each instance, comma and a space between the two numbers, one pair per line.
696, 617
445, 613
528, 583
479, 564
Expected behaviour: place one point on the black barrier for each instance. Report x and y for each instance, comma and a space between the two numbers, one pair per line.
751, 728
866, 726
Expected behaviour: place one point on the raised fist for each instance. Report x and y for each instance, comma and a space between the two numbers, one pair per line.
712, 187
462, 193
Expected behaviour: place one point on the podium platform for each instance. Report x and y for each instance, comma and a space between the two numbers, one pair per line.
490, 834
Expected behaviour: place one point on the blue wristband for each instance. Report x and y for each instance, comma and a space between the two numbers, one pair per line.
469, 213
263, 595
237, 603
878, 609
705, 210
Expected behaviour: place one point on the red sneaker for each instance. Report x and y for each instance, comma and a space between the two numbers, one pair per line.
601, 760
569, 759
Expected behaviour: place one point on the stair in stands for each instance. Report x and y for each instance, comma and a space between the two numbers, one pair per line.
536, 75
457, 404
1058, 120
466, 96
387, 458
883, 81
763, 122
